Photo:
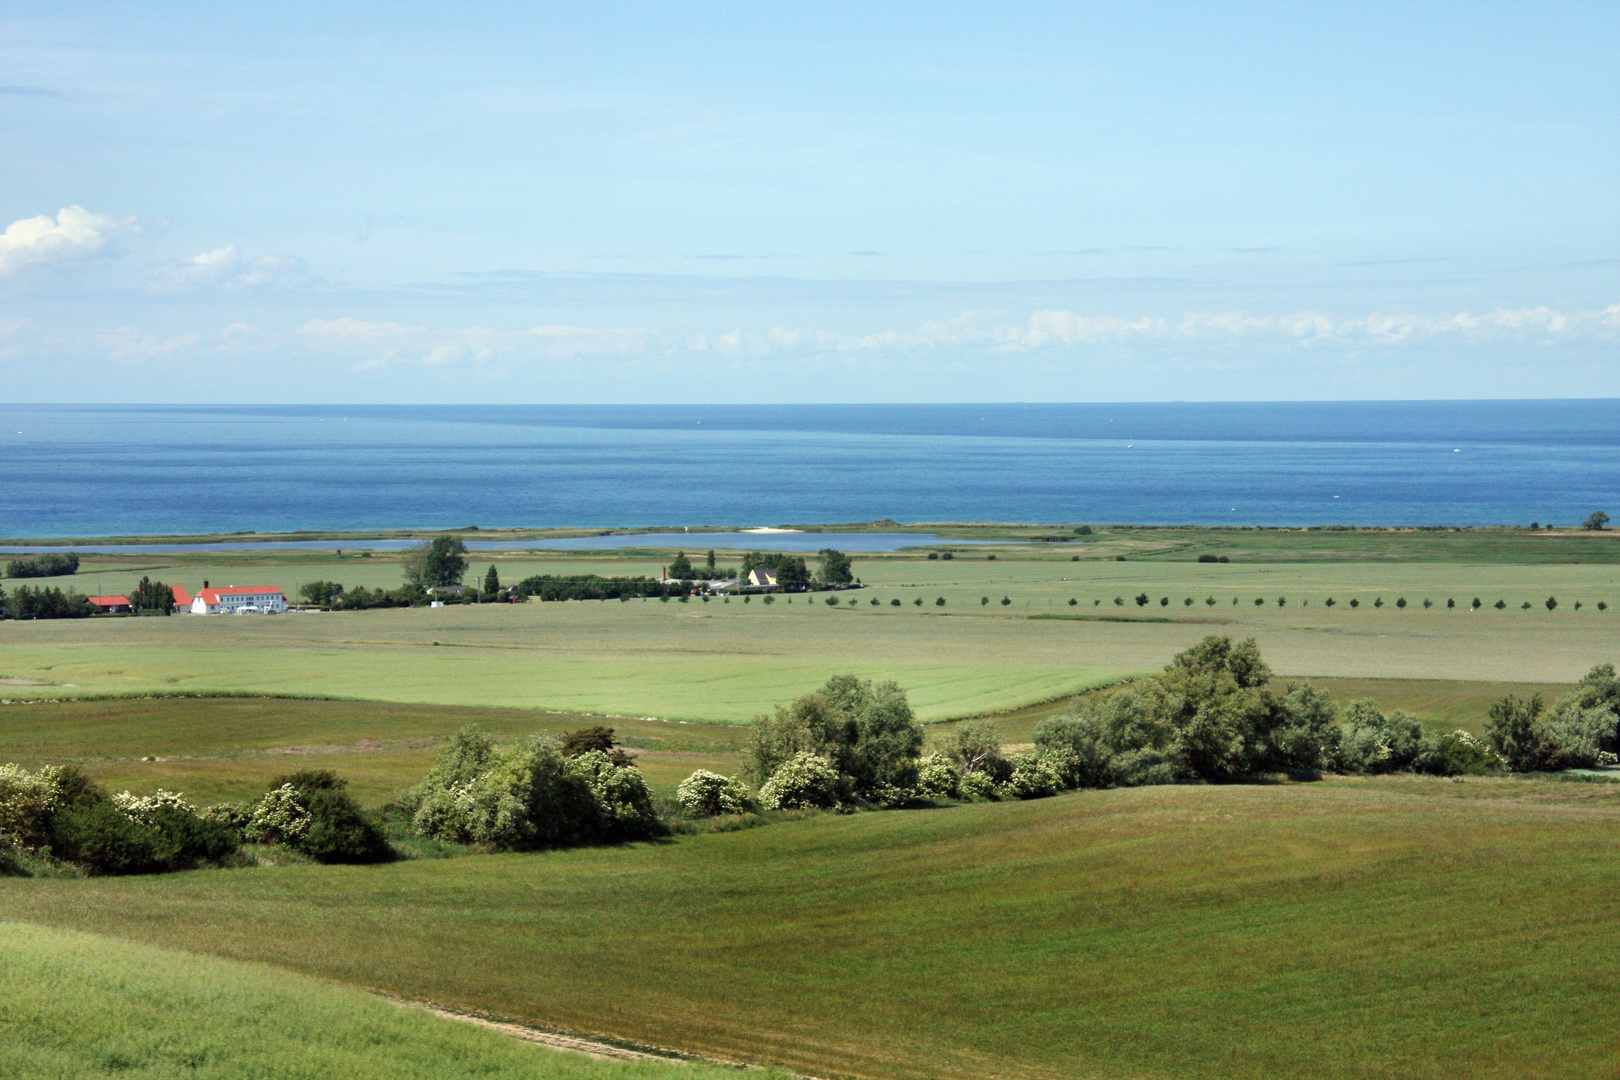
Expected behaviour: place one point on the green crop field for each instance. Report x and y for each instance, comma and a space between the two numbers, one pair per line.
726, 661
1406, 926
78, 1005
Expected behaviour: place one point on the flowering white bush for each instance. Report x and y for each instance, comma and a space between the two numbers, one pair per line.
937, 777
803, 780
737, 797
280, 818
621, 794
700, 792
26, 802
142, 808
1032, 778
979, 787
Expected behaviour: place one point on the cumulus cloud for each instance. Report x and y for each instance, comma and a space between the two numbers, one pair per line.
228, 270
73, 235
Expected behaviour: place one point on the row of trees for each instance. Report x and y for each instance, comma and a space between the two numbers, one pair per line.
44, 602
47, 565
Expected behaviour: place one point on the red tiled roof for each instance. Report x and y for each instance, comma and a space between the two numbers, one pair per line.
211, 596
181, 597
108, 601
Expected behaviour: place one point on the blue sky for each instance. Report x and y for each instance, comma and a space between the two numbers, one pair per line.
816, 202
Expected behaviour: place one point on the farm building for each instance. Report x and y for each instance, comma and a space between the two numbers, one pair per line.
252, 599
109, 605
761, 578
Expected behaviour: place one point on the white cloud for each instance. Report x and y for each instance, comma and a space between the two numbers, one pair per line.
228, 270
73, 235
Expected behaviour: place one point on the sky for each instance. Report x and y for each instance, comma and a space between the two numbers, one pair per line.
560, 203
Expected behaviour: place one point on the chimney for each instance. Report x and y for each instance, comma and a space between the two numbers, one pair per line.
205, 583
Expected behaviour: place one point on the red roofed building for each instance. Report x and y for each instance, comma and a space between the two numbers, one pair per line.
109, 604
182, 599
252, 600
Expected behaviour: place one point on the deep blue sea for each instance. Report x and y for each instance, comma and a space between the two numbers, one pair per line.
150, 469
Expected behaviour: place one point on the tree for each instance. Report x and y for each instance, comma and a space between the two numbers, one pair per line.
324, 593
835, 568
1552, 603
441, 561
865, 730
711, 558
152, 595
1596, 521
1141, 599
492, 583
680, 568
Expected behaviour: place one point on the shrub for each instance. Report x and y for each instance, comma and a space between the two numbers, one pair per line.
282, 817
530, 796
937, 777
976, 748
803, 780
895, 602
978, 787
27, 802
1078, 744
699, 794
866, 730
1457, 753
1031, 778
1006, 600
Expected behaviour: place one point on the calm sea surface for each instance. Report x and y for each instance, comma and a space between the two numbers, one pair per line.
105, 470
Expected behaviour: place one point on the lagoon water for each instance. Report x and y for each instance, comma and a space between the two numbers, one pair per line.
97, 470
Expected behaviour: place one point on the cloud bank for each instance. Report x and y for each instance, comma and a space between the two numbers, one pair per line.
73, 235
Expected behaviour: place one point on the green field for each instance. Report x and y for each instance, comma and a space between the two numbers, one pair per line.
80, 1005
1347, 928
1405, 927
725, 662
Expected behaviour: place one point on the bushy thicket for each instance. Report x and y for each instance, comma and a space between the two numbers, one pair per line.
865, 733
1578, 732
311, 811
594, 587
532, 795
1212, 715
48, 565
58, 813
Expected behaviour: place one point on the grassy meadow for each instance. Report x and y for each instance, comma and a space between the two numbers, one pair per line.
726, 661
1346, 928
78, 1005
1403, 926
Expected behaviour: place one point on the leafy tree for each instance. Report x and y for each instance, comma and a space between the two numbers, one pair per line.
598, 739
492, 582
441, 561
866, 731
984, 601
1006, 601
1330, 601
152, 595
940, 602
893, 603
1475, 604
1596, 521
1141, 599
836, 568
47, 602
324, 593
711, 559
680, 568
1500, 605
1515, 731
976, 748
1552, 603
1401, 603
1164, 601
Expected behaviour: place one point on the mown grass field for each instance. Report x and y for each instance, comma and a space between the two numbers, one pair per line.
1398, 927
78, 1005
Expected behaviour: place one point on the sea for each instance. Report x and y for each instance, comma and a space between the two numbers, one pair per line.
120, 470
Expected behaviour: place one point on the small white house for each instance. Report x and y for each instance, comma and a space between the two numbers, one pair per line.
253, 600
761, 578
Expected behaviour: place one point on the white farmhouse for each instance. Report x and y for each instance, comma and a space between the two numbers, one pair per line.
238, 601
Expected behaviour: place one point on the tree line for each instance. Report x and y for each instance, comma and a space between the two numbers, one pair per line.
46, 565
